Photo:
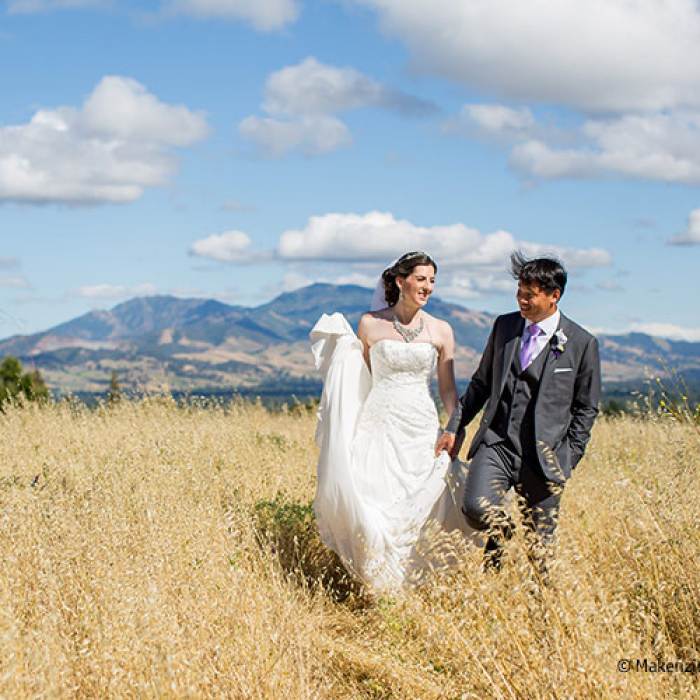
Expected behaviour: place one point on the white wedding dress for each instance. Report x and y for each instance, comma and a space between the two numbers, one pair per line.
379, 483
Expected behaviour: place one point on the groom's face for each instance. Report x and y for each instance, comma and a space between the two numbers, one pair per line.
536, 304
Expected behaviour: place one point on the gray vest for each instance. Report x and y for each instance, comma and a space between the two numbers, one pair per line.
514, 421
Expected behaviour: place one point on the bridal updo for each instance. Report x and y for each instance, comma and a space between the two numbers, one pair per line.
403, 267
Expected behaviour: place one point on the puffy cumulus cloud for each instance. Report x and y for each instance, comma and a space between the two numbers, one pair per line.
311, 87
691, 235
264, 15
662, 147
632, 66
301, 102
312, 135
601, 55
33, 6
230, 246
122, 108
119, 143
116, 291
378, 236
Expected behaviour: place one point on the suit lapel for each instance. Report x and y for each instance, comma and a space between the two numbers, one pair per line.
550, 361
509, 351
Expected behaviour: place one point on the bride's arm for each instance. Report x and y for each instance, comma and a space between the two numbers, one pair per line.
446, 369
447, 387
362, 334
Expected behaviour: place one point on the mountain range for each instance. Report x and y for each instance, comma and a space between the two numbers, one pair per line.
204, 346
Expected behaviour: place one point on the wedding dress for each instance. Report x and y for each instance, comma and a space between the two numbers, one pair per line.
379, 483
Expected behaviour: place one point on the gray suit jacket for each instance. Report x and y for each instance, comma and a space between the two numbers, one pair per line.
567, 400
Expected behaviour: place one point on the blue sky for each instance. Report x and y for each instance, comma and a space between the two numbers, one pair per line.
236, 149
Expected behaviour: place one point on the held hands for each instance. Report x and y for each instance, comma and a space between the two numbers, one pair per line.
446, 442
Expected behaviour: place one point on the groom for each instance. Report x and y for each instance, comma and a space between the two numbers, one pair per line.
539, 377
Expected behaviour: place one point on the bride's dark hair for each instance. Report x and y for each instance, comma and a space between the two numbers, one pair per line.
403, 267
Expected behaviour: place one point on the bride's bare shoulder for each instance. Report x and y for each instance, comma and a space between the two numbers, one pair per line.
371, 318
371, 321
438, 326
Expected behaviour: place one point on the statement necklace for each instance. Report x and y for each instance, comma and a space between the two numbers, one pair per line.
408, 334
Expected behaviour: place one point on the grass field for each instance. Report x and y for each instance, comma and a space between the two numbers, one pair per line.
149, 550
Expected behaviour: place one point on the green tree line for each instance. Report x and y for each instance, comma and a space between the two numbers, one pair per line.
16, 384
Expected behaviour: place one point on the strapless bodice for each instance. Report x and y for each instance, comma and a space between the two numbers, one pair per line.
379, 483
397, 362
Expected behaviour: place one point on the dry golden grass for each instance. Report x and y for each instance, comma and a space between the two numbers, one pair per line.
155, 551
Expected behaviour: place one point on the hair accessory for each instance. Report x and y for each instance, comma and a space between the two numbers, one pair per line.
378, 298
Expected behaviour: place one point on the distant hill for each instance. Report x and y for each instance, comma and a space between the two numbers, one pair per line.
205, 346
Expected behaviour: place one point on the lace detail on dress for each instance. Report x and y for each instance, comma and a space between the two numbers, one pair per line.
396, 361
378, 479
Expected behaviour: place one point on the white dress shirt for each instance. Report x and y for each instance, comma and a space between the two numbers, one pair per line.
549, 326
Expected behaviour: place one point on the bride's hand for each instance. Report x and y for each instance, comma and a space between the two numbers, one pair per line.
445, 442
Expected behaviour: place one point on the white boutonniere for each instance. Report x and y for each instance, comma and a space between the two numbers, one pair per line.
559, 342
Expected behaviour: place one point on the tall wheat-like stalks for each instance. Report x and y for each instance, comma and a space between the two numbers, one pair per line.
154, 550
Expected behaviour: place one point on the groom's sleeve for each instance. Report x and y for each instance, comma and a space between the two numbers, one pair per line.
478, 391
584, 408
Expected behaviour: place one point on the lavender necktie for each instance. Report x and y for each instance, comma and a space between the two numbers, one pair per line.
527, 346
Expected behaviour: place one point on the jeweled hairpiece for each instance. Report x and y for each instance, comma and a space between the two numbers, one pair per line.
414, 254
405, 258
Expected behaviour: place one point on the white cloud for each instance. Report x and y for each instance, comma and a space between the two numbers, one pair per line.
311, 87
265, 15
360, 279
119, 143
600, 55
295, 280
311, 274
495, 120
662, 146
230, 246
691, 235
301, 101
33, 6
378, 236
474, 284
112, 291
667, 330
122, 108
656, 147
313, 135
633, 66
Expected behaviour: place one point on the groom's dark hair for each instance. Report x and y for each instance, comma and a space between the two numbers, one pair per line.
547, 273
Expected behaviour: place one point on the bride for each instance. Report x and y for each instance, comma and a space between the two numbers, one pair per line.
379, 481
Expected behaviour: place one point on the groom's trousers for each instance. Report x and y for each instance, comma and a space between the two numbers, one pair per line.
492, 472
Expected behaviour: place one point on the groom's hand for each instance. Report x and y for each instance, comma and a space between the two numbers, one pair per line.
446, 442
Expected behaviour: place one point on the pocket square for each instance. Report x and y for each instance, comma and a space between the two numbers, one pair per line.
563, 369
